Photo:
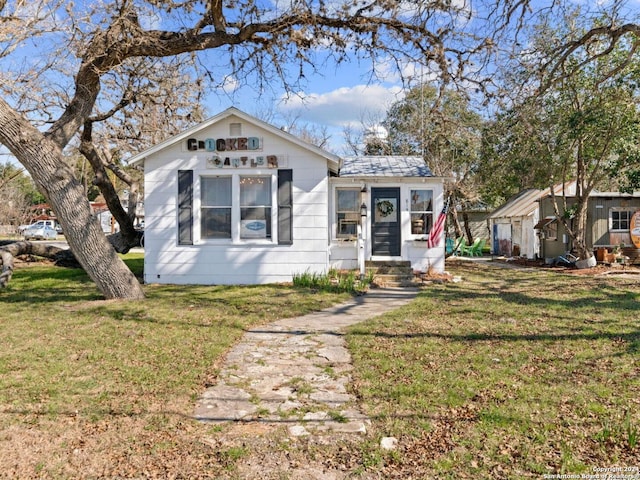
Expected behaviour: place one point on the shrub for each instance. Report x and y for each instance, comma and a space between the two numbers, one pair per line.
333, 281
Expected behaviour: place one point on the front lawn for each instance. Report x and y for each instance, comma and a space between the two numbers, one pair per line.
508, 374
92, 388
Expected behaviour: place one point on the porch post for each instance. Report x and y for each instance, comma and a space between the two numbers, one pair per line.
362, 227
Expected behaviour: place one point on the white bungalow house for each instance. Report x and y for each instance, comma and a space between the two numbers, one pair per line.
235, 200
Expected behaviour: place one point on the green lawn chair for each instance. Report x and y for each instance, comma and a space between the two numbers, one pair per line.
470, 250
459, 245
477, 250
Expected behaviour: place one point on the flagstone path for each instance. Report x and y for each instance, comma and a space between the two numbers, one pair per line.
296, 371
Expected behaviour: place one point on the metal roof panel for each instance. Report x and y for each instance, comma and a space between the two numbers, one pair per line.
384, 166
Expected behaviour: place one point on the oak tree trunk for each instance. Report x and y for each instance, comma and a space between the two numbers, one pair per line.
42, 157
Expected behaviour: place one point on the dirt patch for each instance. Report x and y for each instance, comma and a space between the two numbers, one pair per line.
26, 261
599, 269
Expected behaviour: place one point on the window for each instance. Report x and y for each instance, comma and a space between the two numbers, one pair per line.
215, 212
421, 211
348, 212
235, 129
621, 219
218, 207
548, 228
551, 230
255, 207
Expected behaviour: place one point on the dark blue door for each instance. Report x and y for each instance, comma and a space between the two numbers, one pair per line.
385, 222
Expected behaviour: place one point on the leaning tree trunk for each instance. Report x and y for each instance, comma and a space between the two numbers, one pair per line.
580, 231
43, 159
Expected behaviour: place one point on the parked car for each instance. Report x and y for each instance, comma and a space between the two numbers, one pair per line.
39, 232
41, 223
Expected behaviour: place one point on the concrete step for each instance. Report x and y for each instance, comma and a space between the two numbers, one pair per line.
389, 268
379, 263
394, 273
395, 280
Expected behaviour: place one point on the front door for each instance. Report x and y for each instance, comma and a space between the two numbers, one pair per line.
385, 224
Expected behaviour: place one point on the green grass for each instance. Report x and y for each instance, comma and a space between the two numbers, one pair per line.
507, 374
66, 350
79, 370
520, 373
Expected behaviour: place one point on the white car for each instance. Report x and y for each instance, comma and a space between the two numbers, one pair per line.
39, 232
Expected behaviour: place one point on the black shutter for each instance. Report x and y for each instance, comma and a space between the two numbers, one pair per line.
285, 207
185, 207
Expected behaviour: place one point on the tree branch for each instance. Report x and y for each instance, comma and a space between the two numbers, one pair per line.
558, 62
10, 250
104, 184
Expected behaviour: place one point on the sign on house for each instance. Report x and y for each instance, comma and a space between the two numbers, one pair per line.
634, 228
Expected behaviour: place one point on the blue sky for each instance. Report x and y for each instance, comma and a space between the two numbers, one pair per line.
334, 101
338, 96
346, 95
333, 98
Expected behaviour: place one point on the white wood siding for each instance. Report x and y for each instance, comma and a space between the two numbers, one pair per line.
343, 255
234, 261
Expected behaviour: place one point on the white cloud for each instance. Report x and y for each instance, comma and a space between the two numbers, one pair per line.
150, 20
342, 106
412, 73
229, 84
358, 106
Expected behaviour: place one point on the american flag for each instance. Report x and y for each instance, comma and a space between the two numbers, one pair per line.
438, 227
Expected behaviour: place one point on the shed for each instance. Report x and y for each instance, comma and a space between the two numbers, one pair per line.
513, 225
609, 223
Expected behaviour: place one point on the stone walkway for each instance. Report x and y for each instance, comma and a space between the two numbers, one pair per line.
296, 371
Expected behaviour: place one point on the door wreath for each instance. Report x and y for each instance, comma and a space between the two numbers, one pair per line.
385, 208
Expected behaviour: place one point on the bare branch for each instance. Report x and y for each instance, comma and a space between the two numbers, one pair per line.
102, 181
557, 69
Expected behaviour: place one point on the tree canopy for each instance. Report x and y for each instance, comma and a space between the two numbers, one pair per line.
583, 127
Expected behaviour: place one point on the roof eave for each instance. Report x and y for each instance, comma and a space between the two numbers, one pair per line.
334, 160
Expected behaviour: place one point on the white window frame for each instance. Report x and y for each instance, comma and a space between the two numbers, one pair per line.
420, 212
551, 230
269, 206
628, 211
236, 237
351, 217
203, 207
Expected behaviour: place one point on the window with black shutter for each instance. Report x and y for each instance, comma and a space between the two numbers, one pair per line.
285, 207
185, 207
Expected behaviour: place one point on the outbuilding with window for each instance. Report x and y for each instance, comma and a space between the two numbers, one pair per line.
610, 225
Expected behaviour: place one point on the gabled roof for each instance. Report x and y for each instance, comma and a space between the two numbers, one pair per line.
522, 204
596, 194
232, 111
386, 166
525, 203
